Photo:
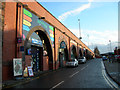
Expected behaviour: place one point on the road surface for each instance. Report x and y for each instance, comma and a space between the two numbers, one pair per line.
88, 75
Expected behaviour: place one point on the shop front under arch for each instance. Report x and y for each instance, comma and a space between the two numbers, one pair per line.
62, 53
45, 41
73, 52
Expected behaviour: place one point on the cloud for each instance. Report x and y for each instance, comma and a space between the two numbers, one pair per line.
98, 38
76, 11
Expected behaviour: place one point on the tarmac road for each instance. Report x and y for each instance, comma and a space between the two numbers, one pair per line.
89, 75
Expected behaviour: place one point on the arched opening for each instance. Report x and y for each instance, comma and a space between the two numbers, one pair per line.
73, 52
63, 54
87, 54
80, 53
38, 48
47, 48
84, 52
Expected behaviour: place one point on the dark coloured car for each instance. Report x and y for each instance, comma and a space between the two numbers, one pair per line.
104, 58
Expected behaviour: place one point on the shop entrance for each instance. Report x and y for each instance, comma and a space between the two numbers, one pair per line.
37, 57
63, 54
38, 51
80, 53
73, 52
60, 59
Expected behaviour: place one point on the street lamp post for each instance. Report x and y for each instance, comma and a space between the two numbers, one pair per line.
88, 39
79, 30
110, 46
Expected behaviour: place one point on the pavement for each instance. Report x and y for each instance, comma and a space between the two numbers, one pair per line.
22, 80
113, 70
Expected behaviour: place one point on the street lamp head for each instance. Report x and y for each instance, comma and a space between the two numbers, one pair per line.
80, 37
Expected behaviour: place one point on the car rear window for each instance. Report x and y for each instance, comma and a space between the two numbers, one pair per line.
81, 57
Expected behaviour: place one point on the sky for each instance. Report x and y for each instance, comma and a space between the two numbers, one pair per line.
98, 21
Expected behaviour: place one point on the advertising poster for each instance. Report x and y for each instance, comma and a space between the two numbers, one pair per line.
30, 71
17, 66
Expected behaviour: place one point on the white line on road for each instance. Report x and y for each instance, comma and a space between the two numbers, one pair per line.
106, 77
74, 74
106, 80
110, 81
57, 85
77, 72
84, 67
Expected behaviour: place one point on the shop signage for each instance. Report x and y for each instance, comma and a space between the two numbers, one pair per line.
30, 71
17, 66
30, 20
19, 39
35, 41
21, 48
29, 51
62, 45
25, 74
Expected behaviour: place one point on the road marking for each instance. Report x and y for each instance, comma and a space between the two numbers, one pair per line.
84, 67
57, 85
107, 80
110, 81
77, 71
106, 77
74, 74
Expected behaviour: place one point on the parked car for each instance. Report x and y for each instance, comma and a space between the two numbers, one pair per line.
82, 60
104, 58
72, 63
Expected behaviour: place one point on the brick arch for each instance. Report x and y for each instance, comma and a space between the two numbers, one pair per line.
80, 52
36, 28
62, 40
39, 28
73, 46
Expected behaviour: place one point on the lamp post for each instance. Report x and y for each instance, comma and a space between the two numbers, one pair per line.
88, 39
110, 46
79, 30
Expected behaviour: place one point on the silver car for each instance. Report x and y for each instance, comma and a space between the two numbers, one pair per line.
82, 60
72, 63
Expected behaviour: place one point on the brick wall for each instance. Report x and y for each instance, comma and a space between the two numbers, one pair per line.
2, 5
9, 38
0, 43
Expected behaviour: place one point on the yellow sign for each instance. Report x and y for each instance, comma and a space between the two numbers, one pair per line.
26, 72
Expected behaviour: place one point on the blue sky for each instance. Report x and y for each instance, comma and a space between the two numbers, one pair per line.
98, 21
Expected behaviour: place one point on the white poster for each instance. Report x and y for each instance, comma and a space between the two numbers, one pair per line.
30, 71
17, 66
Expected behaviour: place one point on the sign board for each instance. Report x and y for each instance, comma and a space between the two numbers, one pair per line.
30, 71
35, 41
25, 74
19, 39
17, 66
21, 48
30, 20
62, 45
